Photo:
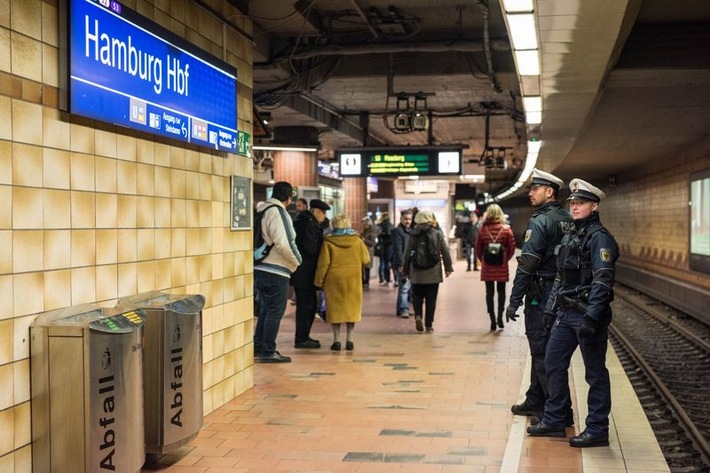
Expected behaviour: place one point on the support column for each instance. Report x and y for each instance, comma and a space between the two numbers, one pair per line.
297, 167
355, 189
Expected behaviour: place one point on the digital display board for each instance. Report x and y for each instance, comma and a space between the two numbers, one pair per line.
390, 162
124, 69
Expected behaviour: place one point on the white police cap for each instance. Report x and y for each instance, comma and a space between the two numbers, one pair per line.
585, 191
542, 178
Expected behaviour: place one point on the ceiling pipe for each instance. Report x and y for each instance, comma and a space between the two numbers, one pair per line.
375, 33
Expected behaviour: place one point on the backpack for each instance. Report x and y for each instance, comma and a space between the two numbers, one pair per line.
493, 253
261, 249
424, 255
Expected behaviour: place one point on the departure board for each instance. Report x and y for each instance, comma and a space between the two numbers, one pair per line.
415, 161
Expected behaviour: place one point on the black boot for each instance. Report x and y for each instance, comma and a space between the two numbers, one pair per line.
493, 321
500, 320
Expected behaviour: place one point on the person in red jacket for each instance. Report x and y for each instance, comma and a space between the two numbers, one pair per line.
495, 266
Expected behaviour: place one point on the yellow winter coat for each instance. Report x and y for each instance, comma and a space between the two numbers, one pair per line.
339, 273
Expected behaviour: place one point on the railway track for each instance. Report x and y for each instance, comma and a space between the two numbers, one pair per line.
667, 358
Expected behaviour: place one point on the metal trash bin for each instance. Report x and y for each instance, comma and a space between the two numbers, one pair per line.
87, 390
172, 367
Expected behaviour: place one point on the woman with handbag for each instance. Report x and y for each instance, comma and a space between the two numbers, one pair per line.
495, 246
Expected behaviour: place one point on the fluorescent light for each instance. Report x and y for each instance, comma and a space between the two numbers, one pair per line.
522, 31
306, 149
528, 62
532, 104
516, 6
534, 146
533, 118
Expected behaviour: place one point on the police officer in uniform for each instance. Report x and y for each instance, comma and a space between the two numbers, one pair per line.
579, 302
533, 281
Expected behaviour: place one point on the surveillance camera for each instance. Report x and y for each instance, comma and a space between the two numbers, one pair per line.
401, 122
420, 121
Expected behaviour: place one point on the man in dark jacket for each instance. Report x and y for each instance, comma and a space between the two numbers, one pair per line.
468, 237
400, 235
309, 239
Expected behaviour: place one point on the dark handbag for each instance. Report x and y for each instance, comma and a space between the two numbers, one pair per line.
493, 252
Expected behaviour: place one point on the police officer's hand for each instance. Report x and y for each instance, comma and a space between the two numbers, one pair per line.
510, 313
589, 328
548, 318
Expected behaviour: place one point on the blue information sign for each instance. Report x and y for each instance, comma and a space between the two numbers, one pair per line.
127, 70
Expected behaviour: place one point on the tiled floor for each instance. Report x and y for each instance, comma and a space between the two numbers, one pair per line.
404, 401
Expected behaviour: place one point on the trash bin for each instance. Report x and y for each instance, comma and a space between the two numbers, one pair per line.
172, 367
87, 390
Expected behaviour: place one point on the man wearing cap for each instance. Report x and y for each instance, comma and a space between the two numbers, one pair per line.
309, 239
533, 281
580, 300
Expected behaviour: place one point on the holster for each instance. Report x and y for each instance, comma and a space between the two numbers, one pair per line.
578, 304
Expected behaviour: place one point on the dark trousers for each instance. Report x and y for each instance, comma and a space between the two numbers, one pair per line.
425, 294
271, 291
564, 339
470, 253
500, 287
306, 307
537, 341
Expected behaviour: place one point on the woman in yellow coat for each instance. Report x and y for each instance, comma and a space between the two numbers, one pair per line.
339, 273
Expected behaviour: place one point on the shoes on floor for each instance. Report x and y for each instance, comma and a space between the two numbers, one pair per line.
429, 329
350, 346
536, 419
544, 430
585, 439
418, 323
468, 269
525, 409
335, 346
403, 314
310, 343
493, 326
275, 357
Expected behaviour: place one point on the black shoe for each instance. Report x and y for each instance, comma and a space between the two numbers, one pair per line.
525, 410
276, 357
500, 321
544, 430
418, 323
429, 329
349, 346
536, 419
493, 326
475, 269
468, 269
310, 343
335, 346
586, 439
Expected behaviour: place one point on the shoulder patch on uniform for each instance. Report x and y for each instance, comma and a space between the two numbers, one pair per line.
527, 234
605, 254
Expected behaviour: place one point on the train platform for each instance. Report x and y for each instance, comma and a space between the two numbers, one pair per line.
410, 402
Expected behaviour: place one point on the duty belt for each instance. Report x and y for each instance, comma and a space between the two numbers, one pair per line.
573, 303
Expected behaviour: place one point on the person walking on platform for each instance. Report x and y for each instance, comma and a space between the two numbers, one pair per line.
423, 254
339, 273
271, 274
495, 246
468, 237
309, 238
533, 281
400, 235
367, 234
384, 245
579, 303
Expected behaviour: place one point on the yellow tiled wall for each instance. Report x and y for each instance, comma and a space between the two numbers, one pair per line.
90, 212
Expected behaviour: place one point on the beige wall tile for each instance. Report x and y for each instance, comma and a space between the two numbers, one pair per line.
56, 133
106, 174
50, 20
127, 147
57, 208
218, 343
5, 158
145, 151
127, 249
5, 52
57, 249
219, 210
177, 184
23, 422
57, 292
192, 239
81, 139
22, 336
5, 341
127, 176
23, 459
105, 143
145, 212
192, 270
6, 297
83, 210
145, 179
162, 213
218, 188
27, 208
205, 213
7, 433
205, 187
7, 463
177, 213
228, 264
162, 182
192, 185
21, 379
177, 158
24, 15
192, 161
106, 246
146, 244
50, 65
161, 155
192, 213
127, 279
26, 57
83, 248
27, 251
27, 163
83, 172
162, 243
107, 282
106, 211
83, 285
146, 276
163, 274
5, 251
127, 211
7, 208
56, 168
177, 243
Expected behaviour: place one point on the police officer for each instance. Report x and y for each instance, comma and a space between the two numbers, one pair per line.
580, 303
533, 281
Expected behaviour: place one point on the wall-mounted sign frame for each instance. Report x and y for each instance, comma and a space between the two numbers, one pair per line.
119, 67
241, 203
395, 162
